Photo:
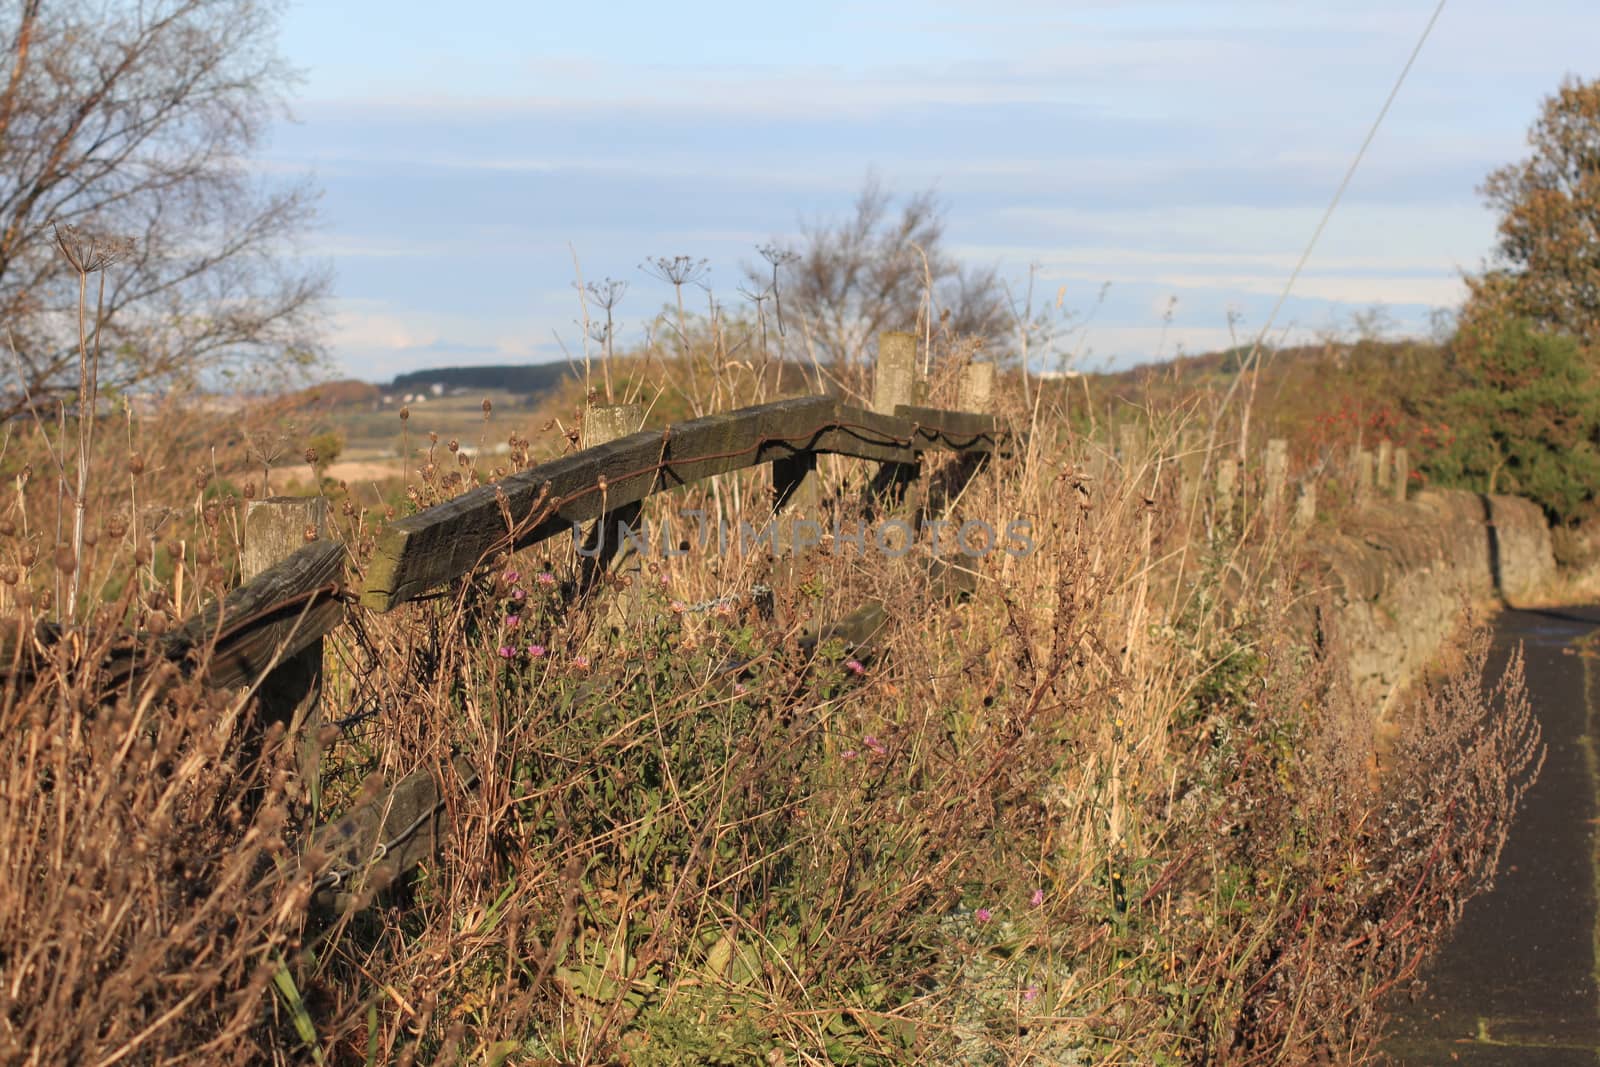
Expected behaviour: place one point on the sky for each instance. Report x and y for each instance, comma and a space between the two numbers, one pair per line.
1157, 168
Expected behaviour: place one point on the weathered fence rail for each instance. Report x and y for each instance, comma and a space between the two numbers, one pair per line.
425, 550
282, 612
292, 604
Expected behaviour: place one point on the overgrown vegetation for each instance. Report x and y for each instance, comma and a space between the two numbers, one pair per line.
1526, 420
1116, 804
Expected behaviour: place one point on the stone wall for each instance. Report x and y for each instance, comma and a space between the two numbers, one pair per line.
1400, 575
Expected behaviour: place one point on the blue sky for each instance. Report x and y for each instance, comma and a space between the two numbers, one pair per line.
1170, 149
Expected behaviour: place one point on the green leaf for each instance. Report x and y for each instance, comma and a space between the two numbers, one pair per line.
303, 1026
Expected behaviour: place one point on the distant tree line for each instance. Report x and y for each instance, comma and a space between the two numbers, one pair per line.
518, 378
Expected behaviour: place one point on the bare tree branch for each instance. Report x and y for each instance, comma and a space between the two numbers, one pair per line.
139, 118
848, 281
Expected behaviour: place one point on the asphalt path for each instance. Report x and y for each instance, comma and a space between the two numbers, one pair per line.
1516, 984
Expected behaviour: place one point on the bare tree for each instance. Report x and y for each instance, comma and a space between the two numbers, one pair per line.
136, 119
844, 282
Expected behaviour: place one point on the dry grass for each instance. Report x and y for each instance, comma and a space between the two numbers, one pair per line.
1115, 804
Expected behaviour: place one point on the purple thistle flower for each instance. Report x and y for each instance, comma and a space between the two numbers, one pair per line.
983, 915
512, 621
506, 651
511, 577
854, 666
518, 593
1037, 899
546, 578
581, 662
874, 744
848, 753
536, 651
1030, 994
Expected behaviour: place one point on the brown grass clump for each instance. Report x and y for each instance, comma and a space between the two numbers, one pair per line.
141, 916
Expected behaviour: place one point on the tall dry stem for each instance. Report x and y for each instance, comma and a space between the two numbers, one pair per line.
87, 254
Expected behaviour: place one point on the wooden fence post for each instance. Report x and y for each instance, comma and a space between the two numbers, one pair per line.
1227, 484
1385, 472
1277, 475
895, 375
603, 423
976, 396
894, 382
1402, 473
977, 387
607, 422
1305, 508
1363, 476
1191, 461
275, 529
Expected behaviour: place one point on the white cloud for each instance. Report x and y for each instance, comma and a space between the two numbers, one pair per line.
1113, 346
1110, 259
344, 245
1391, 289
363, 325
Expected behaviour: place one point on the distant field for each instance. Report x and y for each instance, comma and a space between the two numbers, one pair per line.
377, 433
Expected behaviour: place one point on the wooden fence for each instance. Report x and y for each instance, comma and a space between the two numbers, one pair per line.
267, 632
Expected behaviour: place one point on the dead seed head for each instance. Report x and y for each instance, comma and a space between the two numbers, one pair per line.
87, 251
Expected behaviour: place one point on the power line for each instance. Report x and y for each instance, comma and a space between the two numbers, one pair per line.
1349, 174
1322, 224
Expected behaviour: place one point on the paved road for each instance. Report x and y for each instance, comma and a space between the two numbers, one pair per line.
1517, 985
